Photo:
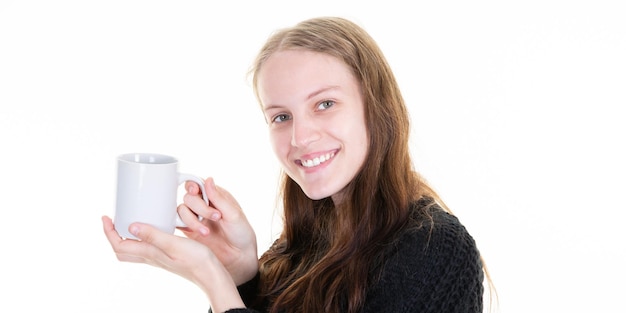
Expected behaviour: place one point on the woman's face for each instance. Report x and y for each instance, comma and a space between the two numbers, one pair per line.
315, 112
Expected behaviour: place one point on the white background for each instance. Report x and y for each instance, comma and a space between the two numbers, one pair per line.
518, 123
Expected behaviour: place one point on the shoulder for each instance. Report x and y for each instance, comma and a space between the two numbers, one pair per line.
433, 243
437, 234
432, 266
436, 263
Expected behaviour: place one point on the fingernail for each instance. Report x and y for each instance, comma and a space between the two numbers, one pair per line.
134, 230
204, 231
215, 216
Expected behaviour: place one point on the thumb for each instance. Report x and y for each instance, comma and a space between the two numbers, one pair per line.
149, 234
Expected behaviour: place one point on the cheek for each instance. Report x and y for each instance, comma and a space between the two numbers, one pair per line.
357, 132
361, 138
280, 144
363, 144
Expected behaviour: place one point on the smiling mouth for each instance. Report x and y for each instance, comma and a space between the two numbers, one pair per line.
317, 160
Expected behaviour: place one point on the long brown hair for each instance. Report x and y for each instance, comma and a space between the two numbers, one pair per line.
324, 259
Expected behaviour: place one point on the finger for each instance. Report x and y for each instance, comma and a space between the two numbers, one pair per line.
110, 232
192, 188
196, 204
157, 242
191, 220
199, 206
125, 250
222, 200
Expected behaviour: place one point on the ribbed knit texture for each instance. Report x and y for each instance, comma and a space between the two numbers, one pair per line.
436, 270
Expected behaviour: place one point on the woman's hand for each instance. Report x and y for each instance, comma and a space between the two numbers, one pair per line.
224, 229
182, 256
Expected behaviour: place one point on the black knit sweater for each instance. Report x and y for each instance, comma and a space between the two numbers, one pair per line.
436, 270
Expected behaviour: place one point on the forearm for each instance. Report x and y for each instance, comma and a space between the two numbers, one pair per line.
247, 291
219, 288
244, 270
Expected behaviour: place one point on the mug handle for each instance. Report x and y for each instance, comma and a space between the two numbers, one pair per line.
182, 177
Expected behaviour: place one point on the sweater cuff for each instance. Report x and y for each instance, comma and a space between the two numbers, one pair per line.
248, 290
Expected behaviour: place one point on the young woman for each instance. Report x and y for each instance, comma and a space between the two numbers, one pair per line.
363, 232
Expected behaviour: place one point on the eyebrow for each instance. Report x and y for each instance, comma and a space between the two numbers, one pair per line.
308, 97
321, 90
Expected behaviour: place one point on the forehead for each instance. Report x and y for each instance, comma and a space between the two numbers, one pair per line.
296, 73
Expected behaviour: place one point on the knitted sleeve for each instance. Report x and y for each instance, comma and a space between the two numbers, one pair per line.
434, 269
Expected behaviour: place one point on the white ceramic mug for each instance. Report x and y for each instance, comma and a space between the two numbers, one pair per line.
147, 190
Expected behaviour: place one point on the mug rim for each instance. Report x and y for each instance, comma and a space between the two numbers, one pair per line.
147, 158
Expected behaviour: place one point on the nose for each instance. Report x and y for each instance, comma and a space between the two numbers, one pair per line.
304, 132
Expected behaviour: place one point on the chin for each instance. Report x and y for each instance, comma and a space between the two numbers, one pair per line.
320, 194
316, 194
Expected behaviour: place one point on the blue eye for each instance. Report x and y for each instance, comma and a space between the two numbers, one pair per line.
281, 118
325, 104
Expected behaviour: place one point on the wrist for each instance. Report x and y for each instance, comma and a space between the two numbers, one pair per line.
219, 287
245, 270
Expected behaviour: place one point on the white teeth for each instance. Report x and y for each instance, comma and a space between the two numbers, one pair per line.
318, 160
